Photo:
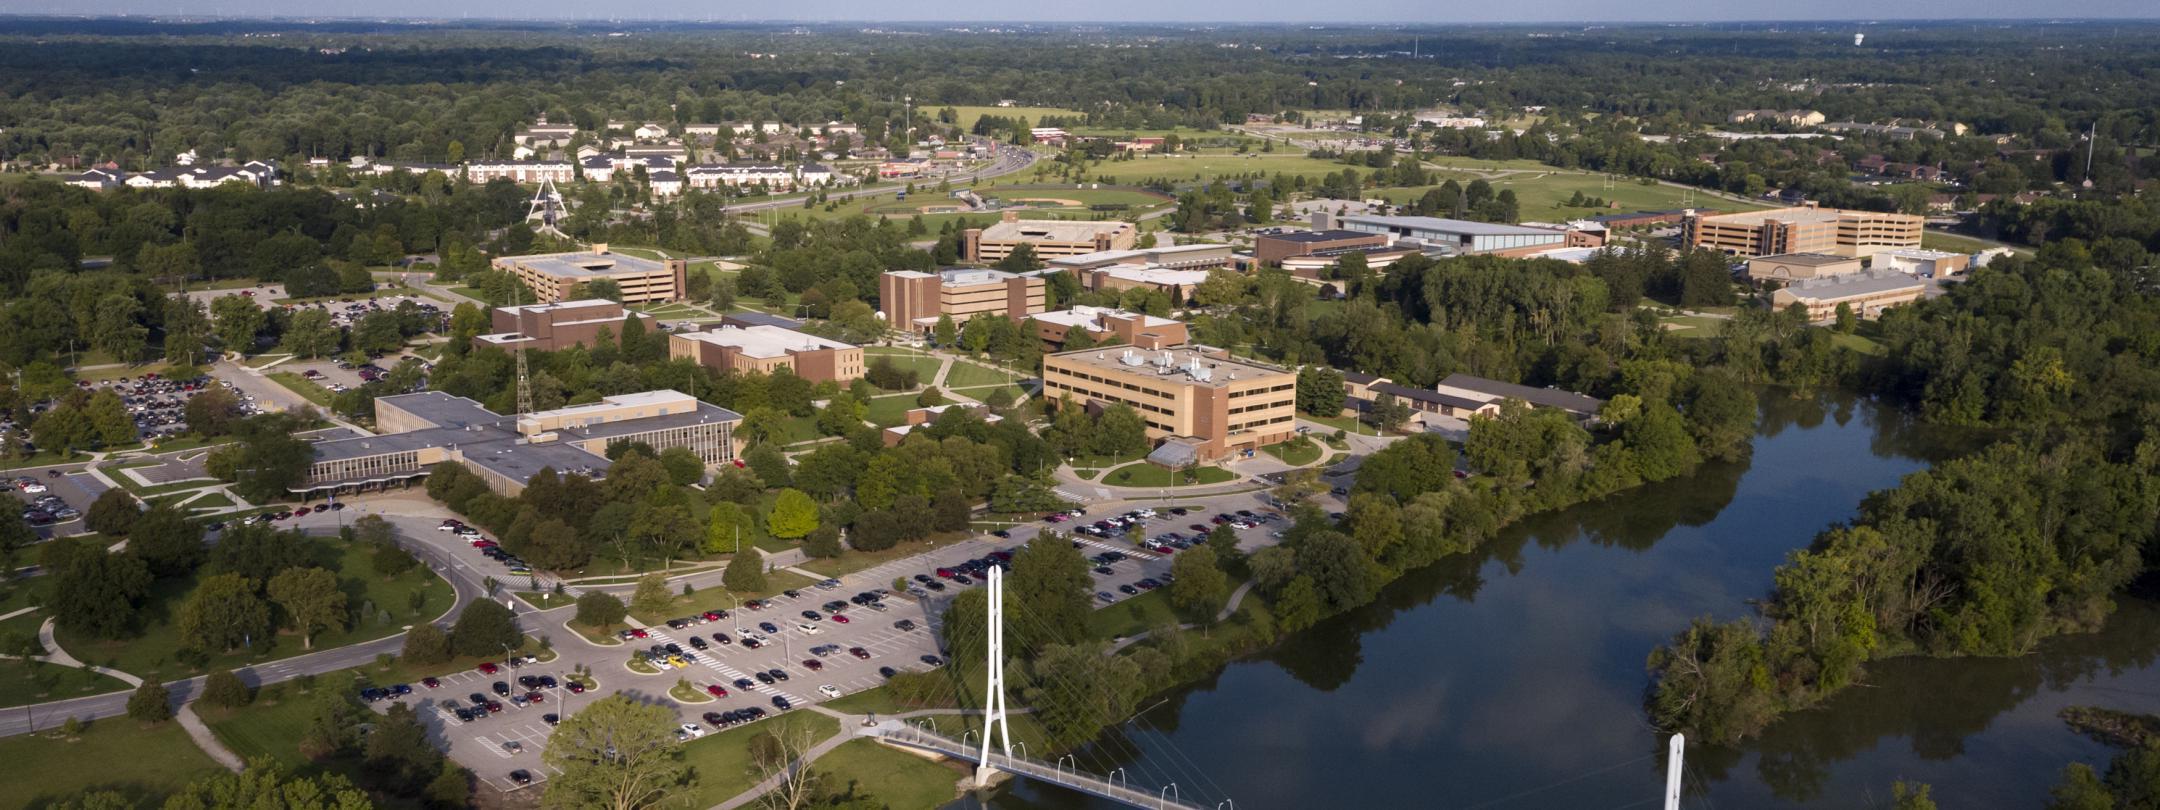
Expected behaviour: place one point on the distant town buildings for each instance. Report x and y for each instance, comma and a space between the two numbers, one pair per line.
1805, 229
1791, 118
554, 277
258, 173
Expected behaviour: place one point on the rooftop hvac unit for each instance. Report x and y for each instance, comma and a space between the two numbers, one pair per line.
1131, 359
1166, 360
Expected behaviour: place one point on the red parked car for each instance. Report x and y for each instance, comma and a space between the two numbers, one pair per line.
716, 690
487, 668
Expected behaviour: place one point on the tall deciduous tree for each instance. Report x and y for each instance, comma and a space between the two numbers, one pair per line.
1051, 583
485, 629
745, 571
223, 614
615, 753
311, 599
793, 516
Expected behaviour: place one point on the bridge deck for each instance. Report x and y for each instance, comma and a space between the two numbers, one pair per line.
1090, 784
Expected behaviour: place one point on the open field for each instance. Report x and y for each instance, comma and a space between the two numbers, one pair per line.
115, 754
891, 777
720, 762
1034, 115
965, 374
890, 411
1144, 474
1542, 194
1208, 167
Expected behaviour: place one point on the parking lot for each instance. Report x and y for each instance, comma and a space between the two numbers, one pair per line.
786, 647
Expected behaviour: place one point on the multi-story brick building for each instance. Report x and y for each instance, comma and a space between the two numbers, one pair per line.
554, 277
547, 327
1805, 229
1050, 238
1104, 325
913, 300
766, 349
1198, 397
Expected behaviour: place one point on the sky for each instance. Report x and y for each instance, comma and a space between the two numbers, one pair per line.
979, 11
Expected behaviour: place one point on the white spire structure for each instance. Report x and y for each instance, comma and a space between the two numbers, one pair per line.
994, 697
1673, 769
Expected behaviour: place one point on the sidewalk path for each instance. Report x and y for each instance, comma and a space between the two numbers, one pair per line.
194, 725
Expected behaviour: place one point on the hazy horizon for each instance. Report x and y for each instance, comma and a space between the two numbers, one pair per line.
1111, 12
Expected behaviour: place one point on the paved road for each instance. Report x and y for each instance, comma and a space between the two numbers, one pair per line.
26, 719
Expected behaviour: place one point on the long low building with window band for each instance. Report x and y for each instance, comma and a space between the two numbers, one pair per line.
428, 428
1196, 395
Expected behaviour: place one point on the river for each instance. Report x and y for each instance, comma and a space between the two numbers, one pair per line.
1514, 678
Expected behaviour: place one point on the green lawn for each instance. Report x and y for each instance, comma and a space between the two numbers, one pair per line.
892, 778
852, 560
213, 500
1054, 197
26, 682
795, 429
1299, 453
1133, 614
924, 366
116, 372
112, 754
965, 374
1692, 326
720, 763
1542, 192
1205, 167
890, 411
268, 727
299, 385
718, 598
1144, 474
151, 654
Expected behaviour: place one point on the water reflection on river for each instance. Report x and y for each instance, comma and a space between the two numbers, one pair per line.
1514, 678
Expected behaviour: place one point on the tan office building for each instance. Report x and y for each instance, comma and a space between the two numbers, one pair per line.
431, 427
1867, 294
766, 349
1806, 229
1791, 267
554, 277
913, 300
547, 327
1203, 398
1051, 238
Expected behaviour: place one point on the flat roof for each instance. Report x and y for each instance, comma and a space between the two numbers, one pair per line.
1428, 395
443, 410
1178, 367
1054, 230
1852, 284
1550, 397
1461, 226
586, 264
1150, 274
1920, 253
764, 341
1308, 237
560, 305
755, 318
1141, 254
1090, 317
1806, 259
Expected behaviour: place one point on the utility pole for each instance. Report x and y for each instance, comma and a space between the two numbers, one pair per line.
994, 689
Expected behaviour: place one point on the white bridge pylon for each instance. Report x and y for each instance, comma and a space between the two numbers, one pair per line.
994, 699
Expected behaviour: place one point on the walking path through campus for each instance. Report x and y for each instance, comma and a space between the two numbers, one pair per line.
196, 730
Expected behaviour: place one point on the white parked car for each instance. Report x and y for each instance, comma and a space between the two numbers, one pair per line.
809, 629
689, 731
829, 690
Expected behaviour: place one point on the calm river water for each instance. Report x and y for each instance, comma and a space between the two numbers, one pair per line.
1514, 679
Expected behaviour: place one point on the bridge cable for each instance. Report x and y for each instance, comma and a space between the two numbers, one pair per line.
1185, 777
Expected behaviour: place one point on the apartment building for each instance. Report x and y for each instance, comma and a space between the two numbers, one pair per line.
1104, 324
554, 277
424, 429
547, 327
1050, 238
1198, 397
1805, 229
913, 300
766, 349
520, 171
